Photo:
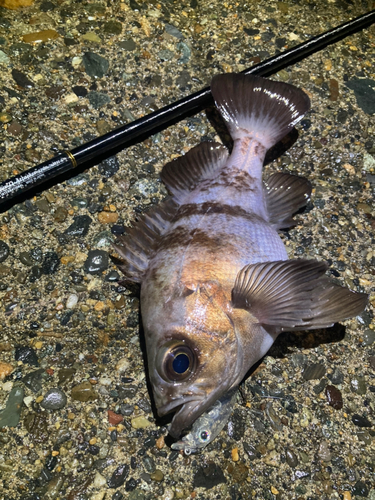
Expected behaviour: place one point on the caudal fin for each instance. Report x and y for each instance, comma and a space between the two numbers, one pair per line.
262, 109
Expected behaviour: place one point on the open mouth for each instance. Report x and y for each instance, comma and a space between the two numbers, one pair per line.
186, 413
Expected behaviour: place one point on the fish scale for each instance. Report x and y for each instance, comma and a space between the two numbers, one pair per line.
217, 287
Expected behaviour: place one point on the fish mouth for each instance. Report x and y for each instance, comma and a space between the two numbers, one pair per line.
186, 413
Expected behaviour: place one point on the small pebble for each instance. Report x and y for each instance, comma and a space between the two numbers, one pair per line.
26, 355
50, 263
140, 422
334, 397
72, 301
79, 227
34, 380
157, 476
54, 399
4, 251
83, 392
5, 370
122, 365
98, 99
107, 217
109, 167
21, 79
358, 385
291, 458
361, 421
314, 371
119, 476
10, 416
96, 262
40, 36
368, 337
114, 418
324, 452
149, 464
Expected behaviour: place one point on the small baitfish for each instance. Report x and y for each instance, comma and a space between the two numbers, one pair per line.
217, 287
208, 425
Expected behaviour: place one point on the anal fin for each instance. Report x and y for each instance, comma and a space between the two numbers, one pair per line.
285, 195
294, 295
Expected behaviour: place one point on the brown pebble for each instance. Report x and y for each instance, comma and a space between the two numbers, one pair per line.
55, 92
107, 217
334, 397
15, 4
120, 303
60, 214
5, 347
160, 443
114, 418
157, 476
32, 155
83, 392
40, 36
5, 370
14, 128
334, 89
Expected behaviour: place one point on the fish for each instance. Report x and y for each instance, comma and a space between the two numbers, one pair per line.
205, 429
216, 284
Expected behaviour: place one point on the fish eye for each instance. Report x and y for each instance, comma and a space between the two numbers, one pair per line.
179, 362
204, 436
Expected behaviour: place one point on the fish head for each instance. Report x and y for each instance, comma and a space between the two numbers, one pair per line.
193, 354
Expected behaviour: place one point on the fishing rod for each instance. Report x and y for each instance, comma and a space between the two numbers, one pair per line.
86, 155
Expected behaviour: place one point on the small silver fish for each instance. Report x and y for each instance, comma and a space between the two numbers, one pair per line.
217, 287
205, 429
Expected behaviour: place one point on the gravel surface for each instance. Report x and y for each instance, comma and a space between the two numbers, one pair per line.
77, 421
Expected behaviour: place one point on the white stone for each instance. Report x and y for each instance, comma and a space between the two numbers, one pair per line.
122, 365
28, 401
72, 301
76, 62
71, 98
105, 381
99, 480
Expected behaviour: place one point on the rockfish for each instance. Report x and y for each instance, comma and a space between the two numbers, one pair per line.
217, 287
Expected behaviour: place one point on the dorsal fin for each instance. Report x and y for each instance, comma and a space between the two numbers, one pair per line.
184, 173
285, 195
137, 247
259, 108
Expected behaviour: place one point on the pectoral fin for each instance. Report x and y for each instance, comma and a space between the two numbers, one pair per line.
294, 295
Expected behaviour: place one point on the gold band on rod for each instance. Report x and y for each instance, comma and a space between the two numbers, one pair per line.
71, 158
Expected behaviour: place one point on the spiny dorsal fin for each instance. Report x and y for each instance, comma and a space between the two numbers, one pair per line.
294, 295
184, 173
259, 108
138, 245
285, 195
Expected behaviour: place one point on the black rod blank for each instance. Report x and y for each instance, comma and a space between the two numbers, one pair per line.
137, 130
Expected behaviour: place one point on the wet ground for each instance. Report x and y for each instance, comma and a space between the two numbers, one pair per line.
78, 420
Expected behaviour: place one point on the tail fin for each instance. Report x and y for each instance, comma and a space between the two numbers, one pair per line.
257, 107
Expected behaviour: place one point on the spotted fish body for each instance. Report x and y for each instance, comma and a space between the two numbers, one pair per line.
216, 284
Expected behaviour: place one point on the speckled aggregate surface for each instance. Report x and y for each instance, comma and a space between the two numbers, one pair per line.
303, 426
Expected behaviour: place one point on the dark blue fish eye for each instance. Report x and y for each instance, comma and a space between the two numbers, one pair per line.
181, 363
